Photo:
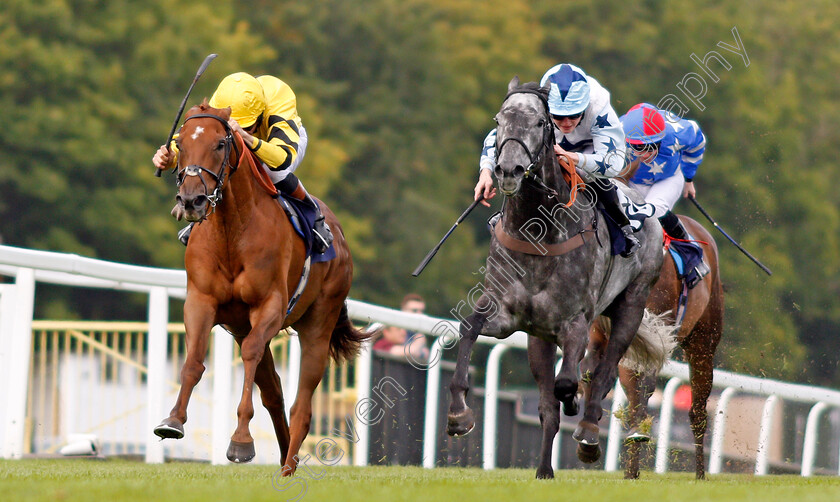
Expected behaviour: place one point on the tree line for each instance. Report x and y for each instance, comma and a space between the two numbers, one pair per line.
397, 98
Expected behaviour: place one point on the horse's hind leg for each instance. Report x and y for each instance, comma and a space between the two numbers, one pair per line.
271, 394
699, 350
198, 319
624, 327
314, 347
541, 356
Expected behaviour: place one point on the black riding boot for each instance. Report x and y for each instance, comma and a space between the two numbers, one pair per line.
609, 199
673, 226
292, 186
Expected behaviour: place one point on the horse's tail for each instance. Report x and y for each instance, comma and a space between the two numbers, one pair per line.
346, 340
652, 345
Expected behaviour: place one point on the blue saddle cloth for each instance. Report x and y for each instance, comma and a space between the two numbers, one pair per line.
306, 219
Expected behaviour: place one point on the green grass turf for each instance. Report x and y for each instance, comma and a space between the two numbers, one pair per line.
116, 480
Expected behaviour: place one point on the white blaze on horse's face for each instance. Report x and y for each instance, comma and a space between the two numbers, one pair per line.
521, 122
197, 132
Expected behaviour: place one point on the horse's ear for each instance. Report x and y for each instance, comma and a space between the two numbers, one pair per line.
514, 83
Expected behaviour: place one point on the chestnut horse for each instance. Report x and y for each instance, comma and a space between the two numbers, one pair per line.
698, 335
244, 262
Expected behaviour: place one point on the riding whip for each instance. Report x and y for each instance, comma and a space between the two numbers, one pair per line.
201, 69
434, 251
751, 257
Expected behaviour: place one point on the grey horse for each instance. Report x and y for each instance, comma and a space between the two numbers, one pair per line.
550, 273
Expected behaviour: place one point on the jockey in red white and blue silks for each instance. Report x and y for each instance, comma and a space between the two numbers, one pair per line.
669, 149
587, 131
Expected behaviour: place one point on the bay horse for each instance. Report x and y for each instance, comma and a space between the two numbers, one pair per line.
244, 262
698, 335
553, 296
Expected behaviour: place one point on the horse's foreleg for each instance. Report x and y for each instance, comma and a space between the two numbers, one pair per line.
541, 356
568, 379
252, 349
271, 394
198, 319
460, 419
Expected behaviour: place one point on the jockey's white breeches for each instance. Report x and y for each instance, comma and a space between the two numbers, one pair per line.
663, 194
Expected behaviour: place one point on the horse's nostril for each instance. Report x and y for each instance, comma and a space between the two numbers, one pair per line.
200, 201
498, 171
518, 171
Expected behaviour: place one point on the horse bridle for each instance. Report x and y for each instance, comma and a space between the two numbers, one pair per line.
547, 139
197, 170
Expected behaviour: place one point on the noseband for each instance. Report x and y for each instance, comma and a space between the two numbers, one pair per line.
197, 170
547, 139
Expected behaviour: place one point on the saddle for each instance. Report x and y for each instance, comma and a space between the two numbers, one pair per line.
299, 213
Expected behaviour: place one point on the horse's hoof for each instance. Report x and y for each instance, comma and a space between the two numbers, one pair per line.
240, 453
545, 473
460, 424
587, 453
570, 407
170, 428
635, 436
586, 434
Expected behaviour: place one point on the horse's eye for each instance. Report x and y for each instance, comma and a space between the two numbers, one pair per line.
221, 144
541, 123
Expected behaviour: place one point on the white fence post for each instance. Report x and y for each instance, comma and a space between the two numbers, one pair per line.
491, 405
665, 417
809, 448
156, 377
361, 449
614, 440
432, 395
761, 455
719, 431
7, 309
290, 391
557, 444
222, 388
18, 356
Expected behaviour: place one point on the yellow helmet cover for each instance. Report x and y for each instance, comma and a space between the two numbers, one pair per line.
243, 94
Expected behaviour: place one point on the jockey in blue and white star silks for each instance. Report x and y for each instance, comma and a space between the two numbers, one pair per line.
669, 149
587, 131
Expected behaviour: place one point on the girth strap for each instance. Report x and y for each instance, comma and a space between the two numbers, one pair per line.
527, 247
